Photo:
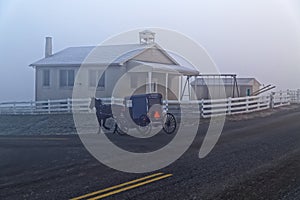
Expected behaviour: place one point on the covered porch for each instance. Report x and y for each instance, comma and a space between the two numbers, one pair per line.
149, 77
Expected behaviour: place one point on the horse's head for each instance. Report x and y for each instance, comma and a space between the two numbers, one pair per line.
98, 102
95, 103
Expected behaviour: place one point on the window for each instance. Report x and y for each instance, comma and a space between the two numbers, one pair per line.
46, 77
134, 81
101, 82
66, 78
94, 77
153, 85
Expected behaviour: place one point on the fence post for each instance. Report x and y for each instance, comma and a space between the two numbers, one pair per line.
280, 97
202, 108
285, 99
49, 111
272, 100
14, 108
31, 107
295, 96
229, 105
112, 100
259, 100
247, 103
69, 105
288, 97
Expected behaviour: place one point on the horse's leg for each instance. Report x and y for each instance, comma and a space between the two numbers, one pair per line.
104, 120
99, 122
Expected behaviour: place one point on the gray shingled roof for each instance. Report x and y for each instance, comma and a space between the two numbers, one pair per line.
112, 54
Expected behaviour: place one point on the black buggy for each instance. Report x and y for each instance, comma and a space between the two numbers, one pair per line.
144, 111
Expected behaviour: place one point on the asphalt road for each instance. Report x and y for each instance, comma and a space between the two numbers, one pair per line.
256, 158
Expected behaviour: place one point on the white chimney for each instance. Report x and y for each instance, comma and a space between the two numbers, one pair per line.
48, 47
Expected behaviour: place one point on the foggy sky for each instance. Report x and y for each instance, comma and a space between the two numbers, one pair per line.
252, 38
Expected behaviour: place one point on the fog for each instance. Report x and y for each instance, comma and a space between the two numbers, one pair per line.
251, 38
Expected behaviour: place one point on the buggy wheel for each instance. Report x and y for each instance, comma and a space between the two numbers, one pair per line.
170, 123
111, 124
144, 126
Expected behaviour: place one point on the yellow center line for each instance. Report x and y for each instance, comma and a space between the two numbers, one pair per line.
116, 186
130, 187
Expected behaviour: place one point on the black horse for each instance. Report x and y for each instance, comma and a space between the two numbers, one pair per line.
104, 111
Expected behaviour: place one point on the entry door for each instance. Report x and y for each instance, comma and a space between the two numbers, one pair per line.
248, 91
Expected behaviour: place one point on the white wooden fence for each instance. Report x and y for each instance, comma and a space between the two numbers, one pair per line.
207, 108
294, 95
51, 106
218, 107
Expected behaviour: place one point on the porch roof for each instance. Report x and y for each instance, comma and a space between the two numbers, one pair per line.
163, 68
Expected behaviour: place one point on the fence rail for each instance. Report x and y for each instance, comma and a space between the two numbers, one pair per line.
294, 96
206, 108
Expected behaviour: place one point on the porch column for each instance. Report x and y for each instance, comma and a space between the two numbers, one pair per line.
195, 89
166, 85
149, 82
180, 87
